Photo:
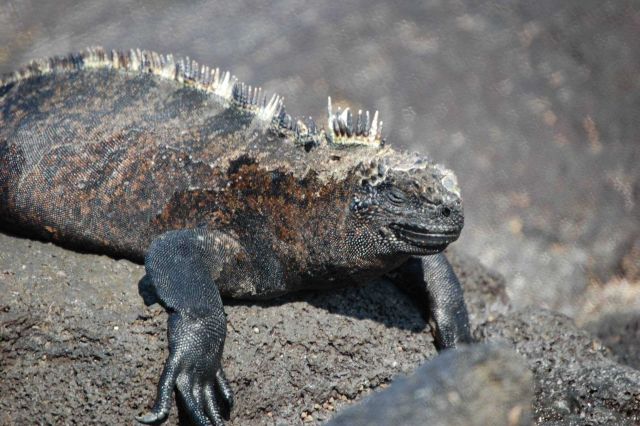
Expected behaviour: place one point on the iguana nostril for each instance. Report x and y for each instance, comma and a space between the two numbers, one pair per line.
446, 211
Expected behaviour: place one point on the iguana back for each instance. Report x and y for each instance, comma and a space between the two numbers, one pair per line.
97, 149
92, 156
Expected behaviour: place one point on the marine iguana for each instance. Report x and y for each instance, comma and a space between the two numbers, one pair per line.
221, 193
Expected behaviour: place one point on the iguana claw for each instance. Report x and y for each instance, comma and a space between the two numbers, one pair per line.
153, 418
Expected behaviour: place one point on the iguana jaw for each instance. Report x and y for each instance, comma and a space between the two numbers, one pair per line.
424, 238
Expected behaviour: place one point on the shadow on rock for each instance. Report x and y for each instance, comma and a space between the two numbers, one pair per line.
378, 301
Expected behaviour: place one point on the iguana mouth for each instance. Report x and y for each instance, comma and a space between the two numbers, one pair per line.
424, 237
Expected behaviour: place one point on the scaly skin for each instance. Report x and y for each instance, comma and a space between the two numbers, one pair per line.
222, 194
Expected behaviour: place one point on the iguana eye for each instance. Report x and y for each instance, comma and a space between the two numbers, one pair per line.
396, 196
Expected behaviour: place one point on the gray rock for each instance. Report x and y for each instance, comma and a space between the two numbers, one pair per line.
76, 338
476, 385
620, 332
76, 342
577, 381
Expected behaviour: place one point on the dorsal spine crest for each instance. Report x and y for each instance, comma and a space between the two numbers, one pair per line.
341, 128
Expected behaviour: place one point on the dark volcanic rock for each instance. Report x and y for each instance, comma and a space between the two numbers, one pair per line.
620, 332
534, 104
576, 380
77, 343
476, 385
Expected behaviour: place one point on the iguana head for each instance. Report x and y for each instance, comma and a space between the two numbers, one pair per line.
402, 204
399, 209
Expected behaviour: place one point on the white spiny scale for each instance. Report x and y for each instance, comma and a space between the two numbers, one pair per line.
367, 123
225, 90
92, 60
180, 71
138, 66
267, 113
216, 78
341, 127
159, 61
203, 77
193, 70
134, 62
186, 71
170, 67
336, 125
350, 131
344, 120
153, 63
186, 68
373, 133
301, 128
252, 96
115, 59
145, 61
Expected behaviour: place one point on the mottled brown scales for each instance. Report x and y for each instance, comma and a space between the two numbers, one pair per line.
105, 158
106, 151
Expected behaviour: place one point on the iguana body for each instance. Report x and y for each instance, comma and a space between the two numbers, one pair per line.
222, 193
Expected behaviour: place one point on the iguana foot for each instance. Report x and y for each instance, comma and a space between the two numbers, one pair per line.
179, 277
193, 370
432, 278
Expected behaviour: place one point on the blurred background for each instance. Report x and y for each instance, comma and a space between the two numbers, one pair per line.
535, 106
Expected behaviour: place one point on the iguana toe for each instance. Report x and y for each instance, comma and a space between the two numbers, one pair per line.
225, 392
153, 417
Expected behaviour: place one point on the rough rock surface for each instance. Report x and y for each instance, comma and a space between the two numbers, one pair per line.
476, 385
576, 380
620, 332
77, 342
532, 103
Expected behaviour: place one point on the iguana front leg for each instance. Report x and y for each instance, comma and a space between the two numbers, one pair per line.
432, 279
182, 270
